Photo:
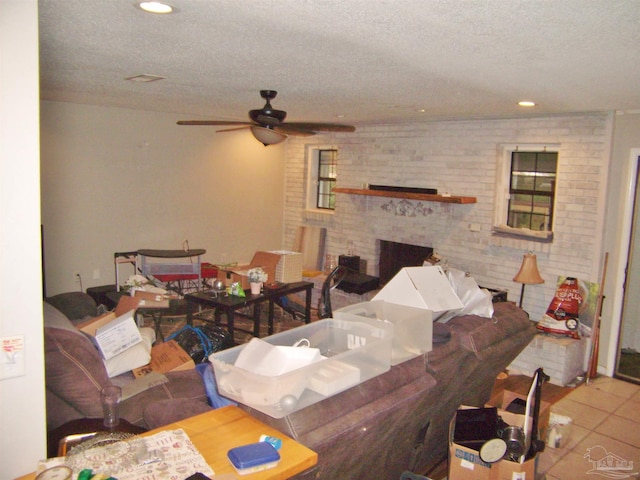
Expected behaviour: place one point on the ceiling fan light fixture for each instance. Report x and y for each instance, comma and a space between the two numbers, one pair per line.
267, 136
156, 7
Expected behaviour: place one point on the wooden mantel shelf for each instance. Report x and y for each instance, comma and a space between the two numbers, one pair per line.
408, 195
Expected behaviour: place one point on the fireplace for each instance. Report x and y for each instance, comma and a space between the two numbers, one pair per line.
395, 256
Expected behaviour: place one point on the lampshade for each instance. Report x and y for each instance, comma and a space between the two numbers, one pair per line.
267, 136
528, 273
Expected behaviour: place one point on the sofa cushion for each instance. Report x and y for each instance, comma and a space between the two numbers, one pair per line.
478, 334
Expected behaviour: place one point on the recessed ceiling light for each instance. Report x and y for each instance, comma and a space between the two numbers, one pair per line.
145, 78
156, 7
527, 103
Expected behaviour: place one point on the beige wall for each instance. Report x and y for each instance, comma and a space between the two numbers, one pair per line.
22, 409
116, 180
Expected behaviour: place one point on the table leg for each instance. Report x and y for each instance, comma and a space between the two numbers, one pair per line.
256, 319
271, 303
190, 307
230, 323
157, 318
307, 307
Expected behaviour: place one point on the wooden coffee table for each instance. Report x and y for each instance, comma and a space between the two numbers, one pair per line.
214, 433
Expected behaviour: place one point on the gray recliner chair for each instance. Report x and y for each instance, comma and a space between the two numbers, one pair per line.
75, 374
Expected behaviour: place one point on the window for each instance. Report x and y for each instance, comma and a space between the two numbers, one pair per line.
327, 174
321, 176
532, 190
526, 191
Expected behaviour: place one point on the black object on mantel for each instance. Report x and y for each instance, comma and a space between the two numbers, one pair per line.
389, 188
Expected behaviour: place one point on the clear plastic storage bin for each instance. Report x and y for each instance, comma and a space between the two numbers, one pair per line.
412, 327
354, 352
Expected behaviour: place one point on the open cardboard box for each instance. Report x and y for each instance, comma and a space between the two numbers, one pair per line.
425, 287
465, 463
114, 332
506, 397
267, 260
166, 357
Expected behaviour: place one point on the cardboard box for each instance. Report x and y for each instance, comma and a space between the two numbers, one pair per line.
289, 266
114, 332
421, 287
166, 357
114, 335
505, 398
268, 261
153, 300
465, 463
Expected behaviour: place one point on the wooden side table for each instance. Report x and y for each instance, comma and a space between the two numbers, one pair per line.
85, 425
214, 433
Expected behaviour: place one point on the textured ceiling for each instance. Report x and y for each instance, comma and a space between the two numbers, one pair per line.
372, 61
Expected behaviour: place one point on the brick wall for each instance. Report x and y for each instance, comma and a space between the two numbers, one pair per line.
461, 157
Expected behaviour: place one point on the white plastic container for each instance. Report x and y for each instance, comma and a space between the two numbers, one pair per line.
354, 352
412, 327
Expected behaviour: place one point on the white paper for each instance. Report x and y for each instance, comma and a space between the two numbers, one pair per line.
262, 358
118, 335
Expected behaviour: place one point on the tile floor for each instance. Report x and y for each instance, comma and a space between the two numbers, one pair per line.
606, 425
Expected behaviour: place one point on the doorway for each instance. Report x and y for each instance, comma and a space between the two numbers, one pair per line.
627, 365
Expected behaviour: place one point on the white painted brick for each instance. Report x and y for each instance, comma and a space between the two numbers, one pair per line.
561, 358
461, 156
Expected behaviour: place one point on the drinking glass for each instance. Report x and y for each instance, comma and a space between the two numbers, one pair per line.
111, 397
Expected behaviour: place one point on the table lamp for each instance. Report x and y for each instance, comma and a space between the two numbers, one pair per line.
528, 273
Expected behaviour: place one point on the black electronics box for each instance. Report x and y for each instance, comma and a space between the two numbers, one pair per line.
475, 426
358, 283
352, 262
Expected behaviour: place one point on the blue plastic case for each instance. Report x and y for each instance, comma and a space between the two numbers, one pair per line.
253, 457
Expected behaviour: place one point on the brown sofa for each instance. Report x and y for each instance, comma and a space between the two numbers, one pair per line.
394, 422
399, 420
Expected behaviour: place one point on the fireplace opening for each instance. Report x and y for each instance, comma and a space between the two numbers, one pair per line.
395, 256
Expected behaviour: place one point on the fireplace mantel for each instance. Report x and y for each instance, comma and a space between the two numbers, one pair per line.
408, 195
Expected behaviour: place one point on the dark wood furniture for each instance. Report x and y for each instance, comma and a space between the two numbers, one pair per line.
230, 304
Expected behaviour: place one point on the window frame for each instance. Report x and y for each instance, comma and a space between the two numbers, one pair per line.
503, 189
326, 181
312, 178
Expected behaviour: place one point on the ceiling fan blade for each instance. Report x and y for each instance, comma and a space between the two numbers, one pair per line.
232, 129
297, 132
211, 122
315, 127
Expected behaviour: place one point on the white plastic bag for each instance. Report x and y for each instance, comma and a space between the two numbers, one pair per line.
476, 300
263, 358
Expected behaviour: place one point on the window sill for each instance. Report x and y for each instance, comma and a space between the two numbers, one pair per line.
522, 233
317, 214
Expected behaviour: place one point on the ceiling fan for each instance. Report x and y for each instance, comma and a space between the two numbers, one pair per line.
268, 125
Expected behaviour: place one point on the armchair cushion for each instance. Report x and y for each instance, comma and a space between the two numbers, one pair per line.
73, 367
75, 373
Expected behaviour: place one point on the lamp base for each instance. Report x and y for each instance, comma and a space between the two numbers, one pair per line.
521, 296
